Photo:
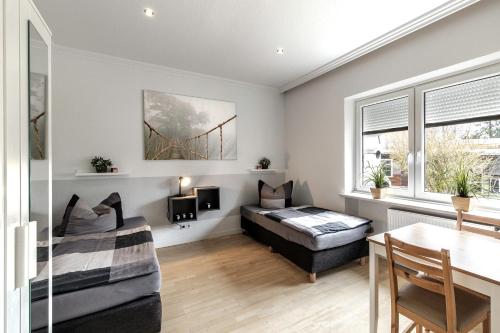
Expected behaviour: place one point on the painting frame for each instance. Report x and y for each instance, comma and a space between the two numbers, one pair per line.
185, 127
38, 115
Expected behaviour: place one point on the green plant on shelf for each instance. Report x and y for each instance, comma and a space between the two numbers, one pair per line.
101, 164
264, 163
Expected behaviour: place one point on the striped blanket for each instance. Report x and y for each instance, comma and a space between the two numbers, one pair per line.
314, 221
91, 260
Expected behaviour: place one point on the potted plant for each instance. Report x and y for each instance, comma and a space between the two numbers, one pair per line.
264, 163
100, 164
376, 176
465, 187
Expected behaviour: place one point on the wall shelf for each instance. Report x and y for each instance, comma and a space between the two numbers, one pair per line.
100, 174
266, 170
182, 208
185, 208
207, 196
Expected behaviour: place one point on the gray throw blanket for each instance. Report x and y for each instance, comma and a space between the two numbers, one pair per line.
314, 221
91, 260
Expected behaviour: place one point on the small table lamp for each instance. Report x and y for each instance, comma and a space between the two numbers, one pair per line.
183, 181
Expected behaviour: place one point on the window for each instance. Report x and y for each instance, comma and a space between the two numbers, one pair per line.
385, 139
462, 127
388, 165
445, 123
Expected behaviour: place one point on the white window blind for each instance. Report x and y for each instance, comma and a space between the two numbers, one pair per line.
474, 100
386, 116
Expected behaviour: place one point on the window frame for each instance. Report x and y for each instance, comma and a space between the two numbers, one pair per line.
415, 89
420, 90
358, 181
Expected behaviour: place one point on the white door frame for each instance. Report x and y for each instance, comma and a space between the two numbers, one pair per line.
2, 186
14, 154
12, 163
30, 14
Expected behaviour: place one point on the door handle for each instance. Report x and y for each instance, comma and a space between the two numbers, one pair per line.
409, 157
32, 249
26, 256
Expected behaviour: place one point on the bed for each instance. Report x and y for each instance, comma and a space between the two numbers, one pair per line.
102, 282
313, 238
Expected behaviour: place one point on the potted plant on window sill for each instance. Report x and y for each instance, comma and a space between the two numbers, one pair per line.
465, 187
376, 176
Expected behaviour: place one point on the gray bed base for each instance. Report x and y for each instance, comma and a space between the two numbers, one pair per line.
310, 261
142, 315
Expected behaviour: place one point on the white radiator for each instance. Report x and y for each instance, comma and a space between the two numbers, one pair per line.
400, 218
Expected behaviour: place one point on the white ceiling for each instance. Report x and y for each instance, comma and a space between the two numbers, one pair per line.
234, 39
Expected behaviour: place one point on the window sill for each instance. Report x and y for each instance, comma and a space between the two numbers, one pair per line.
412, 204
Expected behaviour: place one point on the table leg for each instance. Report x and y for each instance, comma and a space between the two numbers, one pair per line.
374, 284
495, 309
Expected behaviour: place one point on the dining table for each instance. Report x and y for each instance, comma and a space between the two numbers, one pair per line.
475, 262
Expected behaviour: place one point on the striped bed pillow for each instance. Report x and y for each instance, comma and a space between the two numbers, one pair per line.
274, 198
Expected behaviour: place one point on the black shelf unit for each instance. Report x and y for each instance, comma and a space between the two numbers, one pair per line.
182, 208
207, 195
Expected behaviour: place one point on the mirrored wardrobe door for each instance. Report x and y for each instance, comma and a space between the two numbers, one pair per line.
39, 173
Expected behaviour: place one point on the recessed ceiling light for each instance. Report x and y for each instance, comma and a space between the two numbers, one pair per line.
280, 51
149, 12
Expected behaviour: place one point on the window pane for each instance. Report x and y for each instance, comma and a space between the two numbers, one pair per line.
463, 128
475, 145
391, 150
385, 140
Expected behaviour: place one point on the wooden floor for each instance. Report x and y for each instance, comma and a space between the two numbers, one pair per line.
234, 284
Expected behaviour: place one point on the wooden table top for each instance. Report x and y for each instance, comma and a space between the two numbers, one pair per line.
470, 253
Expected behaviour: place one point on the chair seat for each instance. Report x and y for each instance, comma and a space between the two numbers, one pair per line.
431, 306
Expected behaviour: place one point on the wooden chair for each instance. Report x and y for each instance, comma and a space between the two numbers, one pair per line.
485, 220
430, 299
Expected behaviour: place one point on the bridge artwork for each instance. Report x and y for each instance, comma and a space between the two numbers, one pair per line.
38, 105
180, 127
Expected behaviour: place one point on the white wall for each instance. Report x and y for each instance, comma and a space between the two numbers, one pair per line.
315, 110
97, 102
98, 110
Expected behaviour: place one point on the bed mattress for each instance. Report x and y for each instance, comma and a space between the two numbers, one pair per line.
321, 242
77, 303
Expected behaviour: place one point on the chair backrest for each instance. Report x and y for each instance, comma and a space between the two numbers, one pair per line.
408, 261
485, 220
